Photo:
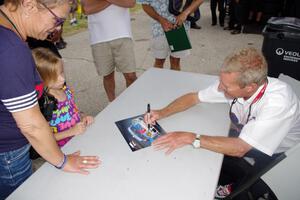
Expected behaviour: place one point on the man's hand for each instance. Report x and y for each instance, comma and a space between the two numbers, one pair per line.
166, 24
174, 140
152, 117
79, 164
180, 19
190, 9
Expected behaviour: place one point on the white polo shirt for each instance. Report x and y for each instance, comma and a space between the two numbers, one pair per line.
274, 123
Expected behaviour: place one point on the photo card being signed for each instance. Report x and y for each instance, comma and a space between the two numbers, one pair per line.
136, 133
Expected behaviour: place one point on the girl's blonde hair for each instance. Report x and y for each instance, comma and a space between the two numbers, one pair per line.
47, 64
251, 65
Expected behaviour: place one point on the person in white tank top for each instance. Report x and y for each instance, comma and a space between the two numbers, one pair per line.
111, 43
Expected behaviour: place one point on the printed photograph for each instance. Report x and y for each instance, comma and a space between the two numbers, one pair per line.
136, 133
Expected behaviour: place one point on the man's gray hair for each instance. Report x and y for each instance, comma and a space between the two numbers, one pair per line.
251, 65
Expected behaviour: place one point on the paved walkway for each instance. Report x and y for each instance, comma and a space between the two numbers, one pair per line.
210, 46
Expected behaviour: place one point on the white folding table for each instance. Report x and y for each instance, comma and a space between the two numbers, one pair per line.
145, 174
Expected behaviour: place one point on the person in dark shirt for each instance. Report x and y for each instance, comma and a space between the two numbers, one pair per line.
21, 121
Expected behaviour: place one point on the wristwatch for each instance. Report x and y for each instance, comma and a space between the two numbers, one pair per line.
196, 143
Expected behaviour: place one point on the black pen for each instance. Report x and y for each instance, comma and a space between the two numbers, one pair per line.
148, 112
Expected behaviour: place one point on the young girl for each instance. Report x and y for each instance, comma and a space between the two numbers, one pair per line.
65, 119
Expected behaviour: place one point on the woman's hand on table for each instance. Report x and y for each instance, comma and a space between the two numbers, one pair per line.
80, 164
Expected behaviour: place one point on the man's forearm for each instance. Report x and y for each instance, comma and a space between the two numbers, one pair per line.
123, 3
90, 7
226, 145
194, 5
151, 12
180, 104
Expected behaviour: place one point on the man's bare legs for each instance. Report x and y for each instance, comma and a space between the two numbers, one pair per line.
175, 63
159, 63
129, 78
109, 86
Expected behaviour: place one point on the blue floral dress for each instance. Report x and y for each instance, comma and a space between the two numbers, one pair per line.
161, 7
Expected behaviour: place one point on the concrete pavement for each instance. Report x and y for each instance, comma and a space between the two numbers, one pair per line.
211, 45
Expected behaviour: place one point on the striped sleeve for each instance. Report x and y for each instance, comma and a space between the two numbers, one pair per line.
20, 103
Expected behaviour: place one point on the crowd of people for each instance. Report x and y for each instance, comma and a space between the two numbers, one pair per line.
37, 106
252, 13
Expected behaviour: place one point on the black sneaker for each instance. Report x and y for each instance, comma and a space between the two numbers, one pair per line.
195, 26
237, 31
228, 28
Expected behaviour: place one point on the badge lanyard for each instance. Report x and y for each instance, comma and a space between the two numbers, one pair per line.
257, 98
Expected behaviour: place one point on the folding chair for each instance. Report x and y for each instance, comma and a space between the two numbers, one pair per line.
284, 178
244, 187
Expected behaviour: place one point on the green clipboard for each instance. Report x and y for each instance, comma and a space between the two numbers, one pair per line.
178, 39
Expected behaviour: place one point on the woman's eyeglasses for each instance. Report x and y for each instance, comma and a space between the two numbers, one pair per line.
58, 20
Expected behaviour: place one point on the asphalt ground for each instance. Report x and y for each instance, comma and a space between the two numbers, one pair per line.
210, 45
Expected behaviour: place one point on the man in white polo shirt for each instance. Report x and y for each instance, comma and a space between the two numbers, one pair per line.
264, 113
111, 41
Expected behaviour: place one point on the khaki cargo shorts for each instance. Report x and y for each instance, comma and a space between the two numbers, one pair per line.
160, 49
116, 54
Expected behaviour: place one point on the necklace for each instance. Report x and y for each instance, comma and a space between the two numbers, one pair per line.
7, 18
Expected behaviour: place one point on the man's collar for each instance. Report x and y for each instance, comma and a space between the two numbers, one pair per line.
250, 100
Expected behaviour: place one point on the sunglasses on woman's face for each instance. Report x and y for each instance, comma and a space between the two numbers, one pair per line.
58, 20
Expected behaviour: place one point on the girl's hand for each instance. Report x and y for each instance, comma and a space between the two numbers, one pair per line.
79, 128
88, 120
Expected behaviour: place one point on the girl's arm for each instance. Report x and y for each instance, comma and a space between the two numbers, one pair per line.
79, 128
